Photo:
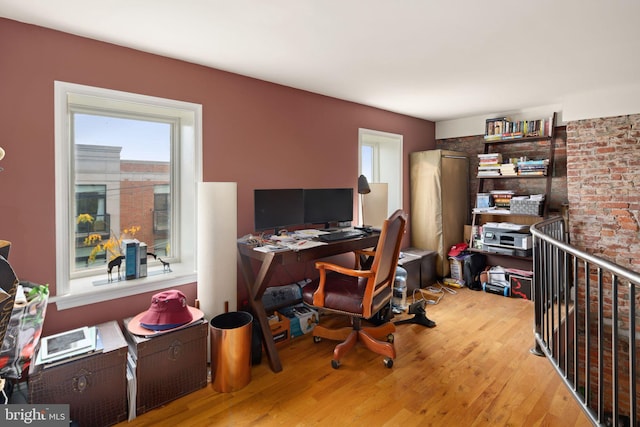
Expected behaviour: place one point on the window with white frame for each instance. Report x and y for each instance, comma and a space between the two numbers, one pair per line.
381, 162
126, 168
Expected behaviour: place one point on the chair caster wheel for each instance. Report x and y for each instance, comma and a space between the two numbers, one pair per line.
335, 364
388, 362
317, 339
390, 338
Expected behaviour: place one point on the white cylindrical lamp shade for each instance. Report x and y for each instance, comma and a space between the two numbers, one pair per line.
217, 250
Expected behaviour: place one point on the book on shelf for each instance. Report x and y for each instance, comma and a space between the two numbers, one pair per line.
490, 159
532, 173
503, 128
508, 169
488, 173
533, 162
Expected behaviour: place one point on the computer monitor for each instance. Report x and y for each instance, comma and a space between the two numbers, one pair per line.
328, 205
278, 208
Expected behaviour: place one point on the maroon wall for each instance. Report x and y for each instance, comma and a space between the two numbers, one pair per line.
255, 133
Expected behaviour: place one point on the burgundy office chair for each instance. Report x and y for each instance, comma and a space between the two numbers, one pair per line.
360, 294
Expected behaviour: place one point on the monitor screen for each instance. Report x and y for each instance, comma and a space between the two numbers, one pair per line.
327, 205
277, 208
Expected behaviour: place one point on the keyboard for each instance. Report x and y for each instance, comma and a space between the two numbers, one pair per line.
341, 235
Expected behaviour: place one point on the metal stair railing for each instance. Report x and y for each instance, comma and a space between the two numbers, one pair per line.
586, 324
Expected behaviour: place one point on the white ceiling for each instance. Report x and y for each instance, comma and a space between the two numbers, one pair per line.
437, 60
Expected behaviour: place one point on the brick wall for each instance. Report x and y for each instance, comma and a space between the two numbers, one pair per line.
137, 198
603, 168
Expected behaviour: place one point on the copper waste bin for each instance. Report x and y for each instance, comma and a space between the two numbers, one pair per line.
231, 351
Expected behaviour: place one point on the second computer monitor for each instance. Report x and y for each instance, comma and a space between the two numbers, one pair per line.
328, 205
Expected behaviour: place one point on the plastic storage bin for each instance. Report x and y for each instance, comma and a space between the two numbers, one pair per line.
399, 300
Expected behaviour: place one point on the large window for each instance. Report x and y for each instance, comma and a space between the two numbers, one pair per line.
124, 170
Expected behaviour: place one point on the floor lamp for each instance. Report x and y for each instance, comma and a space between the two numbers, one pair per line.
217, 247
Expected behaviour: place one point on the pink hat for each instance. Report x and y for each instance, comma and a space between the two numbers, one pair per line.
168, 311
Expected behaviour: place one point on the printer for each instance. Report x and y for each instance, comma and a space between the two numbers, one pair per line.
507, 238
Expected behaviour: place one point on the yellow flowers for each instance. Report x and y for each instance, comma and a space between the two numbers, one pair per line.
113, 246
82, 218
131, 231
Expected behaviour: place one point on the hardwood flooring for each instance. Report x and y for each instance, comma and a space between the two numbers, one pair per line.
473, 369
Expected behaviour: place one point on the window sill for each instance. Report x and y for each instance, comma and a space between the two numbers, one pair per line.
84, 290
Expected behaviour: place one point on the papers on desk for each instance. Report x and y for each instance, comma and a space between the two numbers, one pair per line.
308, 233
296, 245
271, 248
296, 241
304, 244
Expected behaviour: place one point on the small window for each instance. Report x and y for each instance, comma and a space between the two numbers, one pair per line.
381, 162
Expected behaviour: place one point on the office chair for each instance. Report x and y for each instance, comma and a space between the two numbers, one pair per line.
360, 294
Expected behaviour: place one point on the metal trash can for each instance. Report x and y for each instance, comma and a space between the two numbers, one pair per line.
231, 351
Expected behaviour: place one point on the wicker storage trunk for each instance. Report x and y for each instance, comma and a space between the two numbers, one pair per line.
169, 365
95, 387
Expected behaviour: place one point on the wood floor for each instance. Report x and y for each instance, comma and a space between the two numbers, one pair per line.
473, 369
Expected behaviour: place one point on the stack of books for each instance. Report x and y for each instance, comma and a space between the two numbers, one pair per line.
489, 164
508, 169
502, 198
533, 167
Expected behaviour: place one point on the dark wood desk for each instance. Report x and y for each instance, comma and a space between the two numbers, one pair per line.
257, 283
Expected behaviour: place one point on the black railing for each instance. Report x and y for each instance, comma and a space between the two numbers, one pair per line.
586, 311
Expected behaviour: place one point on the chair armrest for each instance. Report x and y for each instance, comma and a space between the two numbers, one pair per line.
367, 252
322, 266
360, 254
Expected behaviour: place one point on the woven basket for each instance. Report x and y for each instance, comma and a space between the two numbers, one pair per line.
527, 207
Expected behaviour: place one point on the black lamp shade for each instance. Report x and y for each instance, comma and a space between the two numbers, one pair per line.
363, 185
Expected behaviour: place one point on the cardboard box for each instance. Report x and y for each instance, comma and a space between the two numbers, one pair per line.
302, 319
468, 233
279, 324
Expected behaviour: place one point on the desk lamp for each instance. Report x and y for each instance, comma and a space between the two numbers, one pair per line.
363, 188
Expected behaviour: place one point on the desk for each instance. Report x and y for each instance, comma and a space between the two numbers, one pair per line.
257, 283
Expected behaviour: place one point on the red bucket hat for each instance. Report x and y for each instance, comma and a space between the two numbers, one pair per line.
168, 311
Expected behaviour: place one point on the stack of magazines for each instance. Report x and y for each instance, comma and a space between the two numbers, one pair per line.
68, 346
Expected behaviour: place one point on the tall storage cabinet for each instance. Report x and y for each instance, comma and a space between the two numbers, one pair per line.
439, 202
